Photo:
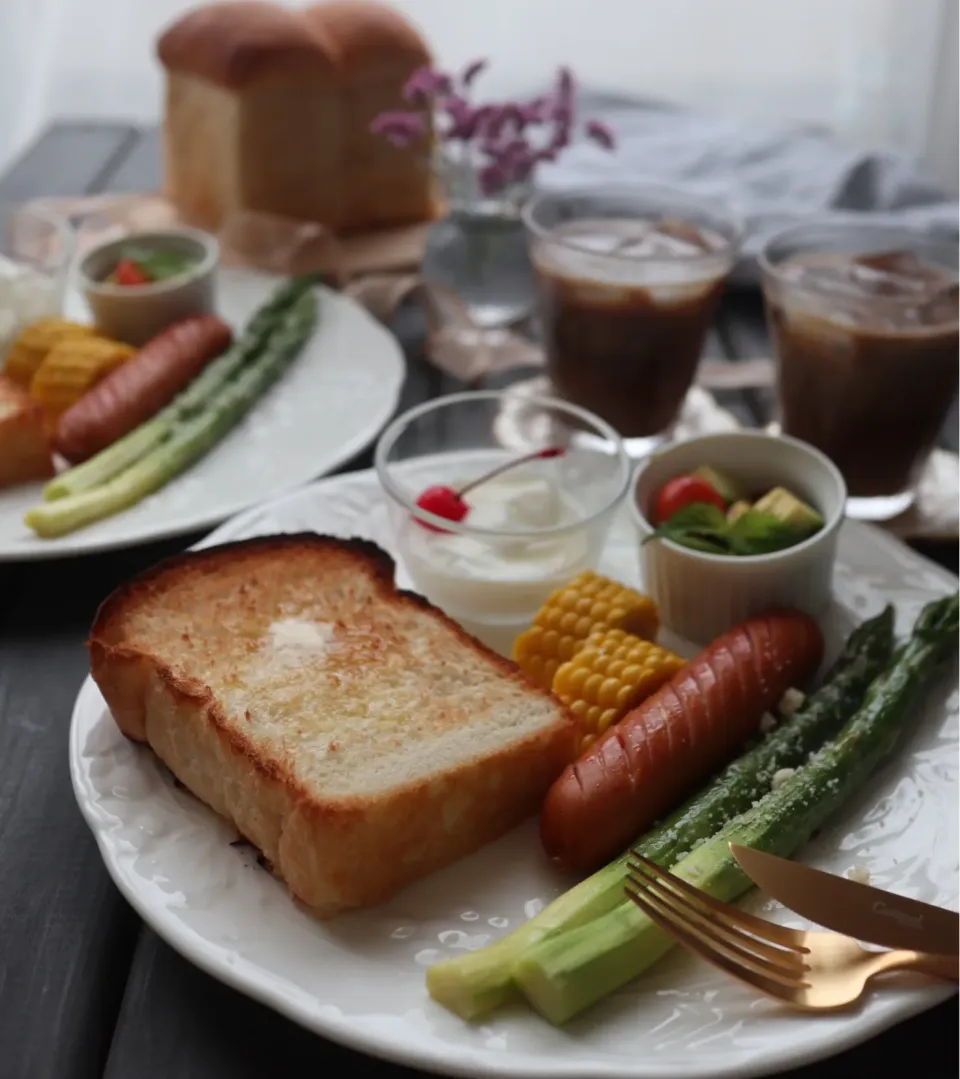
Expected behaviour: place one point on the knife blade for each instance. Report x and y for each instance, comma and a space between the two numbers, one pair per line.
847, 906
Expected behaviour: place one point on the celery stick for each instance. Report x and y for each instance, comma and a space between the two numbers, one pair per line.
114, 459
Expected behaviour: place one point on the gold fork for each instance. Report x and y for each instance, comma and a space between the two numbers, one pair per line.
813, 971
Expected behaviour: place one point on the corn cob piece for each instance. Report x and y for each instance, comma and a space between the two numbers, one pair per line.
32, 344
572, 613
611, 674
74, 366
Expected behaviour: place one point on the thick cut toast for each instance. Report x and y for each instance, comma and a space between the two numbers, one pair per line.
25, 453
350, 730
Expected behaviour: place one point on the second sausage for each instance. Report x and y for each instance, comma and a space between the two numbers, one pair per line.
662, 750
139, 388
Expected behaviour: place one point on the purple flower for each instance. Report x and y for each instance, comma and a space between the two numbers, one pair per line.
514, 150
496, 118
561, 133
565, 92
523, 164
425, 83
399, 128
514, 116
510, 137
601, 134
491, 179
464, 119
534, 112
471, 71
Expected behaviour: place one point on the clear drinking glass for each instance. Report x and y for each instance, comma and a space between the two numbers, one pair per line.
35, 252
526, 532
628, 280
864, 325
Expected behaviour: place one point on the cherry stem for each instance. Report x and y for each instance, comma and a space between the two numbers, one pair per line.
540, 455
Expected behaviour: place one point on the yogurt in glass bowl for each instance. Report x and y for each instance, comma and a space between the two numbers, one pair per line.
489, 555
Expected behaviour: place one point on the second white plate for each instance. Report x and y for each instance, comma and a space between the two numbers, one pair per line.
330, 404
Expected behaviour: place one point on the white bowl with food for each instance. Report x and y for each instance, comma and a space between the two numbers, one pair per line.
138, 285
736, 523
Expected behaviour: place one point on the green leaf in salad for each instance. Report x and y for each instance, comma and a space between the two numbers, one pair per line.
701, 526
158, 265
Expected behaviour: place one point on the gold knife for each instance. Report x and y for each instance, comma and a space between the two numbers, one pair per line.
846, 906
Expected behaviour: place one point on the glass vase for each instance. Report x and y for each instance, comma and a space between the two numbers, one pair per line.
479, 251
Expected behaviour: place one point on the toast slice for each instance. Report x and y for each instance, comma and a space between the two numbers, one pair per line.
351, 731
25, 453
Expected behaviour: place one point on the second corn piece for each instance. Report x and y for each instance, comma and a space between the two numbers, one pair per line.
612, 673
72, 367
572, 613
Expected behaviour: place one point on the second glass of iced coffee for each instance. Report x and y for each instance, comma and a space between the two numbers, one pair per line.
628, 281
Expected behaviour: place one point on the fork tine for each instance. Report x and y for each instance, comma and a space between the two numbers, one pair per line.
715, 923
779, 934
744, 958
772, 987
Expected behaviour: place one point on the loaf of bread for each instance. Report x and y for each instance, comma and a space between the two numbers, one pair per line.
269, 109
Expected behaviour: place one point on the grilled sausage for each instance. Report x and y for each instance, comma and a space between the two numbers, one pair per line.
676, 739
140, 387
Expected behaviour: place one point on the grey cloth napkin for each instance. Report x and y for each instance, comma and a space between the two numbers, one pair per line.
770, 175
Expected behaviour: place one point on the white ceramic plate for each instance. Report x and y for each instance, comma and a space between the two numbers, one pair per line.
360, 979
330, 404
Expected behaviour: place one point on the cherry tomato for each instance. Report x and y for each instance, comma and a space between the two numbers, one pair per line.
127, 272
682, 491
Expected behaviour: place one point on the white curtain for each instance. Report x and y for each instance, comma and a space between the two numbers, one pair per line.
877, 72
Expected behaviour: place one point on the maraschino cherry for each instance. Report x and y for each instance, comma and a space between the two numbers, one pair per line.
448, 502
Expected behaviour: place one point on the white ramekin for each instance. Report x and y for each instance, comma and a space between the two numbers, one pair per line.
701, 595
135, 313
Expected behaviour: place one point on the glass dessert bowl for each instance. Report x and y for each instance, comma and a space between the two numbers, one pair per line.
485, 533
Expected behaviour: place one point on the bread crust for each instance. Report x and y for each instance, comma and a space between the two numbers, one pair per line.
234, 43
333, 853
367, 36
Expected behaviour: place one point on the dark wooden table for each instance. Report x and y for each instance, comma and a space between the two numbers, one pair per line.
85, 989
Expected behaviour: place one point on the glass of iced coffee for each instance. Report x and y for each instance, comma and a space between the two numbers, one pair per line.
628, 280
864, 325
